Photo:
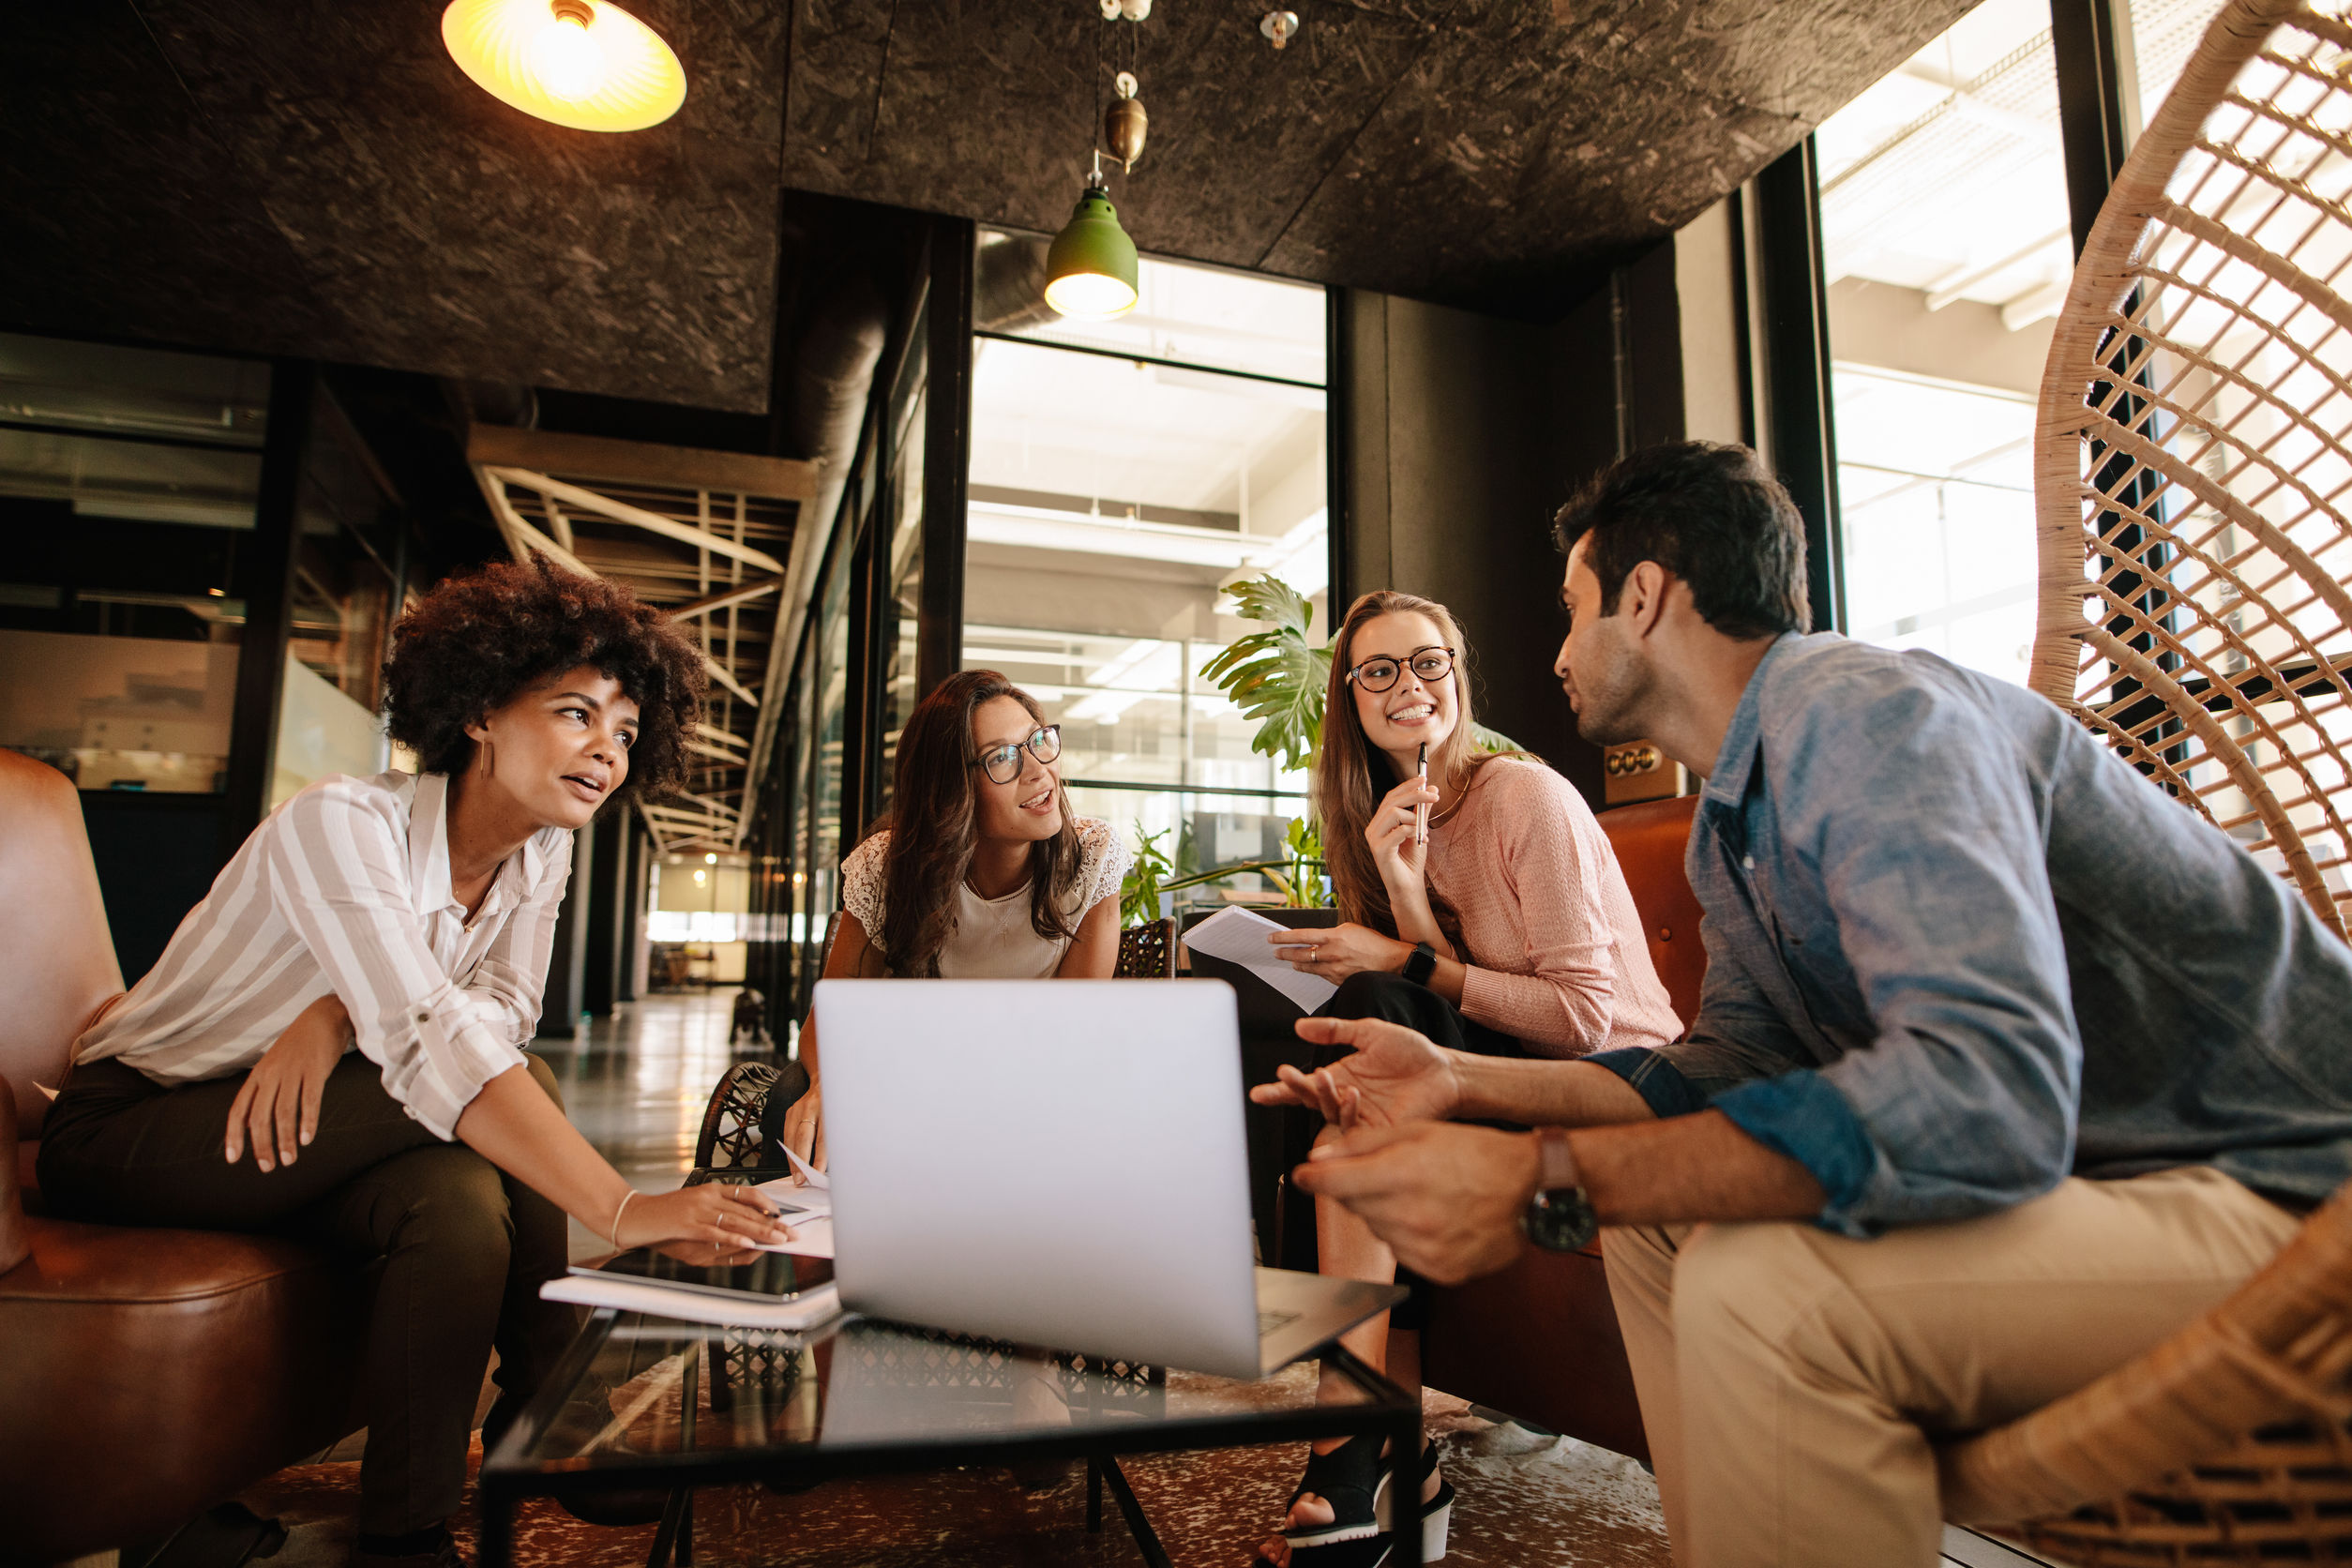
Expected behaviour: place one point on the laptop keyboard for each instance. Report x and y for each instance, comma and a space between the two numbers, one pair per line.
1268, 1322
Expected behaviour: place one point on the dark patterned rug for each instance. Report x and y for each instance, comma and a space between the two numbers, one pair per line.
1523, 1500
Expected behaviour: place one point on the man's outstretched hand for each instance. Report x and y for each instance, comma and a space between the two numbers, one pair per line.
1393, 1076
1445, 1197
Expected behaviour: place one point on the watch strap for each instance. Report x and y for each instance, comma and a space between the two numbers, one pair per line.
1558, 1163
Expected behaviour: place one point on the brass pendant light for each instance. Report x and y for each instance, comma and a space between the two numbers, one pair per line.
586, 64
1124, 126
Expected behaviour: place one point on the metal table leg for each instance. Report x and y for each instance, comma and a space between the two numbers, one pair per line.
1146, 1539
1404, 1486
1093, 1494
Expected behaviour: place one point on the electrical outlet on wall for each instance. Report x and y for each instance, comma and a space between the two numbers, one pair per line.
1639, 771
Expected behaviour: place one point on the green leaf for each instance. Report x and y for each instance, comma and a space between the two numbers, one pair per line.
1139, 892
1273, 676
1493, 740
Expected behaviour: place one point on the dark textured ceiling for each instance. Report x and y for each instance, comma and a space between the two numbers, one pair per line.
1488, 153
316, 177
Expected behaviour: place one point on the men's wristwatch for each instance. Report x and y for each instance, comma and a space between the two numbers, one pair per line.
1420, 963
1559, 1217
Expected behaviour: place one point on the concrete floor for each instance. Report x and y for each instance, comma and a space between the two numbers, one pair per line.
636, 1082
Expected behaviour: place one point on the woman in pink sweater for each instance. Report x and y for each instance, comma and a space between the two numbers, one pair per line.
1510, 932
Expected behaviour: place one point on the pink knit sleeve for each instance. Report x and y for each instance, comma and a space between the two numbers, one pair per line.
1550, 889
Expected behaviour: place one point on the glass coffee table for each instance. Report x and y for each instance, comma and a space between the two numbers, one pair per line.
654, 1405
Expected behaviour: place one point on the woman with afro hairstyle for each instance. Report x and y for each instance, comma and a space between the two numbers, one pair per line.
331, 1045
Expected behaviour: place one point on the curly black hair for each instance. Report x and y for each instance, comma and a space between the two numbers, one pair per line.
483, 638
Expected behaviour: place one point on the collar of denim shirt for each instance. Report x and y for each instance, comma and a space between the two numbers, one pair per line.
1728, 783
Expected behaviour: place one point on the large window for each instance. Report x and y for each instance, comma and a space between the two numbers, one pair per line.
1122, 473
1948, 247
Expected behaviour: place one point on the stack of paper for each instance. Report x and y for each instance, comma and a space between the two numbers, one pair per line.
1239, 937
812, 1224
805, 1310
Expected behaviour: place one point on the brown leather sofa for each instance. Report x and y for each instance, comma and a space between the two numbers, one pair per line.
144, 1374
1540, 1339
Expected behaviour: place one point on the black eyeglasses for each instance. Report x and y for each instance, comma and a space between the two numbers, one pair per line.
1002, 764
1429, 666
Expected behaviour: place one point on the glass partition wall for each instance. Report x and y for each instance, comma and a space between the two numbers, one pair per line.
1122, 473
131, 489
1947, 246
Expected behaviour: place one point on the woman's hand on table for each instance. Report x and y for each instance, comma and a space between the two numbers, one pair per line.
278, 1107
1336, 952
726, 1214
805, 1129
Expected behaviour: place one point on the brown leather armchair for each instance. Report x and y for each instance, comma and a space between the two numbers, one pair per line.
144, 1374
1540, 1339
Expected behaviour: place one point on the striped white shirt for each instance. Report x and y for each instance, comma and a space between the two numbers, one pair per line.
346, 889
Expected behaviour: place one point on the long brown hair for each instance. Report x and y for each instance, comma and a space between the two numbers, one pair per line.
933, 829
1352, 775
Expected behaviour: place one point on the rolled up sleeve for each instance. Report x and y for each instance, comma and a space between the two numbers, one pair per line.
338, 877
1930, 854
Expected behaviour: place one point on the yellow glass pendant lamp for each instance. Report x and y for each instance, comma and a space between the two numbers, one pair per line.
586, 64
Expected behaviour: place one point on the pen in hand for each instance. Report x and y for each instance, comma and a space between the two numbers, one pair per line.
1421, 813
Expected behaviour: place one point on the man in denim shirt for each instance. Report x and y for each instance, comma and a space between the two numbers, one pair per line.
2007, 1064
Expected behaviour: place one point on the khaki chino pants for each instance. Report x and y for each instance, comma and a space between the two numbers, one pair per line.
1792, 1380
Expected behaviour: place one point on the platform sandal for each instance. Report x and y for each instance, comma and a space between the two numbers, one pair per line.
1352, 1479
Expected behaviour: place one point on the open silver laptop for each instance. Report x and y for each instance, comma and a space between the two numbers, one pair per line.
1059, 1163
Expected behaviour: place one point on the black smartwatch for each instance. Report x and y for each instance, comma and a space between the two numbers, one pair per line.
1420, 963
1559, 1217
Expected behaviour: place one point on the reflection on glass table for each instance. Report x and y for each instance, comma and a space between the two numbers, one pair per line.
651, 1403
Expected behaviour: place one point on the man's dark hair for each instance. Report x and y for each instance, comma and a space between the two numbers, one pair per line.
481, 639
1711, 514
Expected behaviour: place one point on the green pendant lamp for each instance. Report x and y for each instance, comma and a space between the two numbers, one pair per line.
1091, 270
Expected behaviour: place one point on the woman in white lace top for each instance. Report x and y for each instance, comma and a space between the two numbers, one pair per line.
979, 872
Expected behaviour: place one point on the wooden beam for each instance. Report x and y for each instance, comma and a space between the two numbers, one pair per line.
719, 672
621, 511
642, 463
725, 597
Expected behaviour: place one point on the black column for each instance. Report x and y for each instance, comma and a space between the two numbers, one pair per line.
268, 599
632, 908
600, 975
946, 426
1802, 443
559, 1013
2087, 45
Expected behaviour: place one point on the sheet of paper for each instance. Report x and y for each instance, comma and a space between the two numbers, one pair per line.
797, 1201
811, 1237
1239, 937
806, 1171
805, 1310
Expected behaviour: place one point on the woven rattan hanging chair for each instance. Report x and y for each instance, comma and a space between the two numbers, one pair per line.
2193, 476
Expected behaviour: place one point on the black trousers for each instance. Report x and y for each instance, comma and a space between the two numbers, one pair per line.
1373, 995
1397, 999
457, 1248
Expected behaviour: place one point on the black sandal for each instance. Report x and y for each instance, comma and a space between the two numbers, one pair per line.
1354, 1481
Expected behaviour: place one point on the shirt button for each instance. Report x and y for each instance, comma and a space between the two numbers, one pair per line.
1748, 863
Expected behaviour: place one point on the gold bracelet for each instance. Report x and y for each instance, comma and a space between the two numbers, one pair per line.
616, 1217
